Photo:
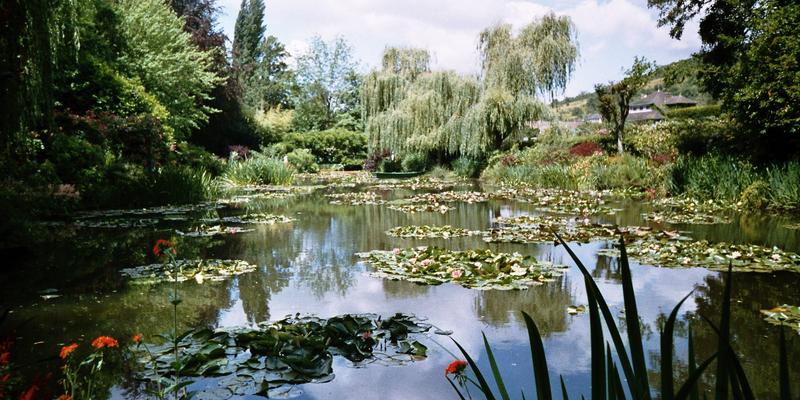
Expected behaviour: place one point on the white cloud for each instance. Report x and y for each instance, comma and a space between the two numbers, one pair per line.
610, 32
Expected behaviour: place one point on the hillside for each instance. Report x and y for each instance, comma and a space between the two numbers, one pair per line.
679, 77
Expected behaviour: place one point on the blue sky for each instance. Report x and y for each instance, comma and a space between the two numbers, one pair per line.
611, 32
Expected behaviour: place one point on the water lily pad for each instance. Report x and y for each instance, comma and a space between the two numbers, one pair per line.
575, 310
427, 231
540, 228
479, 269
448, 197
418, 208
258, 218
186, 270
684, 210
273, 357
784, 315
666, 252
560, 201
355, 198
116, 223
204, 231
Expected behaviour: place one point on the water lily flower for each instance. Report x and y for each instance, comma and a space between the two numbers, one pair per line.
413, 260
455, 367
426, 262
104, 341
456, 274
735, 255
396, 250
67, 350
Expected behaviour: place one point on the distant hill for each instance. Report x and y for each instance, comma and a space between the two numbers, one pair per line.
679, 77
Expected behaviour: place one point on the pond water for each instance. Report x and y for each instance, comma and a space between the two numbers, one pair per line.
309, 266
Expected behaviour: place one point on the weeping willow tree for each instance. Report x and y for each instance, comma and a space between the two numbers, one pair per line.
409, 108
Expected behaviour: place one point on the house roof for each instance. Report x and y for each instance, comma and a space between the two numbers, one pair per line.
645, 116
660, 98
593, 117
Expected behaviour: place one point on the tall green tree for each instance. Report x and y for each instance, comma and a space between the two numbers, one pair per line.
248, 34
167, 63
325, 75
614, 98
408, 108
751, 61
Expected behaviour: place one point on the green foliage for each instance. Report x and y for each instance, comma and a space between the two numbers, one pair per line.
302, 160
784, 193
274, 122
414, 162
248, 35
615, 98
258, 170
333, 146
754, 197
711, 177
409, 109
467, 167
696, 112
624, 172
328, 84
162, 56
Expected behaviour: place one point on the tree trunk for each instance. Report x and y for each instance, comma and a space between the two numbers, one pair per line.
619, 141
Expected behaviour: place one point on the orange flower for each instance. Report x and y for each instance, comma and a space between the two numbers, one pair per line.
64, 397
137, 338
455, 367
162, 246
104, 341
67, 350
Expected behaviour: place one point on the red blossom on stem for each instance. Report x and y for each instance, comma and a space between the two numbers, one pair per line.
67, 350
455, 367
104, 341
162, 246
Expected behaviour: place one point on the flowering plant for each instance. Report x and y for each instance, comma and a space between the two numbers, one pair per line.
80, 376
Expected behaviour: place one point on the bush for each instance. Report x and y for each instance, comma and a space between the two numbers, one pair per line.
303, 160
258, 170
333, 146
696, 112
585, 149
390, 165
754, 197
274, 123
198, 159
414, 162
374, 160
467, 167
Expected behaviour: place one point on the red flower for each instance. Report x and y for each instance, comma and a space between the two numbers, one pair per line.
137, 338
64, 397
67, 350
162, 246
104, 341
455, 367
30, 393
4, 358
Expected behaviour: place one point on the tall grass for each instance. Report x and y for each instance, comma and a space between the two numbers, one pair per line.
711, 177
623, 373
258, 170
784, 184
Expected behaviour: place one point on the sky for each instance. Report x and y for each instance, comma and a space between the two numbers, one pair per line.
610, 32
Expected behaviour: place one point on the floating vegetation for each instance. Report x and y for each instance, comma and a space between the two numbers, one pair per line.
540, 228
204, 230
356, 198
715, 256
163, 211
415, 184
784, 315
684, 210
448, 197
116, 223
479, 269
427, 231
247, 198
560, 201
575, 310
268, 359
186, 270
267, 219
792, 226
417, 208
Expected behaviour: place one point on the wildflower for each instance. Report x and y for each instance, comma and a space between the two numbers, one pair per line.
455, 367
137, 338
104, 341
162, 246
456, 274
67, 350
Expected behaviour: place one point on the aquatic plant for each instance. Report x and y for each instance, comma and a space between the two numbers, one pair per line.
176, 271
80, 375
355, 198
258, 170
623, 373
427, 231
415, 208
479, 269
784, 315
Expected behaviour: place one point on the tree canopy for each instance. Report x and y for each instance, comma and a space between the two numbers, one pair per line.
614, 99
409, 108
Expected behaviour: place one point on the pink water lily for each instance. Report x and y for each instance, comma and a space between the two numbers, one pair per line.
426, 262
456, 274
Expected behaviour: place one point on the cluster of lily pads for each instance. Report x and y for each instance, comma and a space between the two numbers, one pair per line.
205, 231
449, 197
255, 218
266, 359
685, 210
479, 269
419, 208
199, 270
784, 315
428, 231
415, 184
355, 198
541, 228
559, 201
714, 256
116, 223
139, 217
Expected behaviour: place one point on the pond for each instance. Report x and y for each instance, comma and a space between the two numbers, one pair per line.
72, 288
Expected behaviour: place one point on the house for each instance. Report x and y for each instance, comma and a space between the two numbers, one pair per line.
593, 118
649, 107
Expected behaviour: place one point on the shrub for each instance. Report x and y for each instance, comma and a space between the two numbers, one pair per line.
390, 165
414, 162
303, 160
585, 149
696, 112
275, 122
198, 159
333, 146
374, 160
754, 197
466, 167
650, 140
258, 170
